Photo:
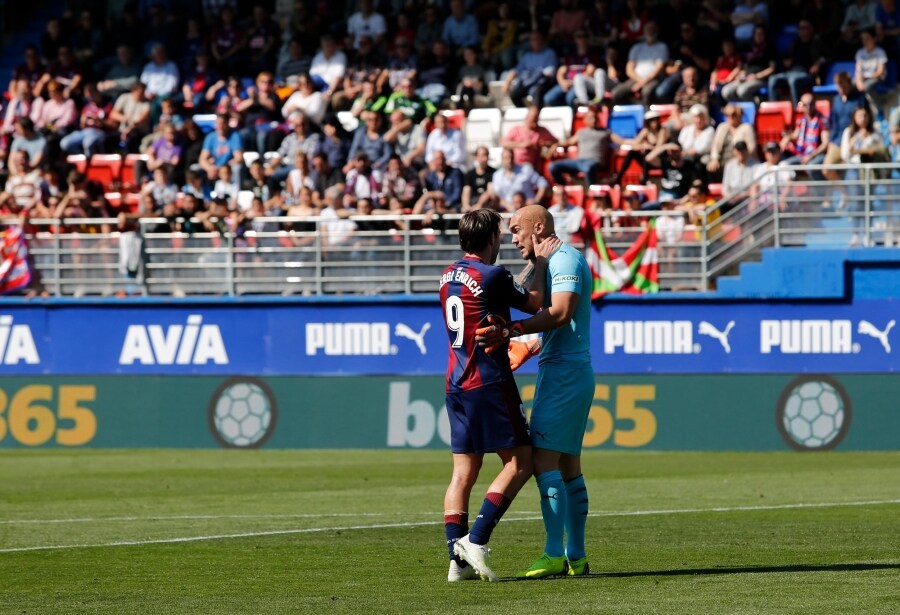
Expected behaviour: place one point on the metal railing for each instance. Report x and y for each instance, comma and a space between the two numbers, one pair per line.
399, 254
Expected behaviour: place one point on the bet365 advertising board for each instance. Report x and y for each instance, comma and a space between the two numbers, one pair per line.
699, 375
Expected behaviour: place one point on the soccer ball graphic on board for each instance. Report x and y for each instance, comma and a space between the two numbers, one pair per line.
813, 413
242, 413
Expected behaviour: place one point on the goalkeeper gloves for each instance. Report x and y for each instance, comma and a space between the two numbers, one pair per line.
497, 332
520, 352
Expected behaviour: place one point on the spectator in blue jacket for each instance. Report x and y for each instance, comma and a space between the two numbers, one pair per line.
534, 74
368, 139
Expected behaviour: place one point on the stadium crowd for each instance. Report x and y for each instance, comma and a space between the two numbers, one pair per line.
223, 97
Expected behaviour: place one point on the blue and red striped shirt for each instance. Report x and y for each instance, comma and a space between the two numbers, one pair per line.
470, 291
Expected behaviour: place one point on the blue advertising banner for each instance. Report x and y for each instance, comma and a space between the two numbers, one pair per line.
679, 337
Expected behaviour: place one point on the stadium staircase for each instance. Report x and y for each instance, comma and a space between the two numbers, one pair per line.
817, 273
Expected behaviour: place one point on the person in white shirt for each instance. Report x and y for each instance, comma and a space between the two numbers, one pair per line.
646, 65
447, 140
366, 22
566, 216
871, 64
306, 99
160, 75
697, 137
771, 178
328, 67
739, 172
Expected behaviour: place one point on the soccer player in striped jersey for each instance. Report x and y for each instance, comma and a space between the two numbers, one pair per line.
483, 404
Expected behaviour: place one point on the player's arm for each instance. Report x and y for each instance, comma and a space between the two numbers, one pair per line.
560, 313
534, 275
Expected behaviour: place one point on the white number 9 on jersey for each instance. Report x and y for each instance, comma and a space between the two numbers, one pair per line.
455, 319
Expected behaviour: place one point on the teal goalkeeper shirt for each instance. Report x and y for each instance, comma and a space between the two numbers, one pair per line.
569, 272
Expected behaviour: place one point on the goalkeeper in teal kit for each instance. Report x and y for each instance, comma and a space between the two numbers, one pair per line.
563, 396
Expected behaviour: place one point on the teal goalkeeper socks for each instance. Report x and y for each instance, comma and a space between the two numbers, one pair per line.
576, 517
553, 509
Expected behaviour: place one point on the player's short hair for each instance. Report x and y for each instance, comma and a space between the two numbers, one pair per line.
477, 228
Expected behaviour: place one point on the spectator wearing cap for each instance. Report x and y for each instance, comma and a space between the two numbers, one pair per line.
646, 66
511, 178
533, 75
528, 139
729, 132
366, 23
460, 28
577, 77
652, 135
770, 176
739, 172
593, 151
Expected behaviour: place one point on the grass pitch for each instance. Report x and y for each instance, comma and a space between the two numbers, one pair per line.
360, 531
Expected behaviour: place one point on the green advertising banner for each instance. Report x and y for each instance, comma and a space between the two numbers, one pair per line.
662, 412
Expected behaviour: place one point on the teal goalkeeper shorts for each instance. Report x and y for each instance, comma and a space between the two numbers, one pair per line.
562, 402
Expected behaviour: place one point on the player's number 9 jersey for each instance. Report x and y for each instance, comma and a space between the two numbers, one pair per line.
470, 291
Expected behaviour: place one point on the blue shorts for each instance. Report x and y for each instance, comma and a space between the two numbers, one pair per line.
487, 419
562, 402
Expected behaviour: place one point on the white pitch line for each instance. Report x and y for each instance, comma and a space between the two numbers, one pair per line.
633, 513
512, 515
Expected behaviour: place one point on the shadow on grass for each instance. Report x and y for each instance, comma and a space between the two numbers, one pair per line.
732, 570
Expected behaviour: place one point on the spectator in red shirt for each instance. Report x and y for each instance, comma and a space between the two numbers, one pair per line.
527, 140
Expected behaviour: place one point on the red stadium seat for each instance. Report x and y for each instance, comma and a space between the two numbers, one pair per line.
132, 200
79, 161
823, 106
127, 178
105, 169
665, 111
578, 120
650, 191
632, 174
114, 199
614, 192
772, 119
715, 191
575, 194
456, 118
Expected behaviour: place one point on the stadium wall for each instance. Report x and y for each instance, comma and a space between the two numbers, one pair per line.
677, 373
